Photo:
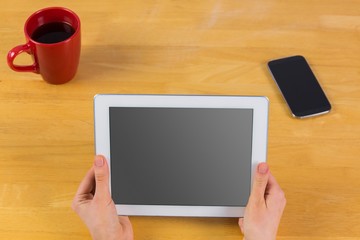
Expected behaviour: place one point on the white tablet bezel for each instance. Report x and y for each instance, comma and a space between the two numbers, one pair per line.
102, 103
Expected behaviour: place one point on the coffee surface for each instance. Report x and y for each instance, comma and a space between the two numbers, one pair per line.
53, 32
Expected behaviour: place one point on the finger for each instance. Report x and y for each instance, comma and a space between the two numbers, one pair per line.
101, 178
260, 182
241, 224
273, 190
87, 185
272, 184
84, 191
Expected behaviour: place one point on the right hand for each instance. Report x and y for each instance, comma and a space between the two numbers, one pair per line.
265, 207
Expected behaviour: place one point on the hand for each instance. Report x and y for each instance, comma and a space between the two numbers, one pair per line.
95, 207
265, 207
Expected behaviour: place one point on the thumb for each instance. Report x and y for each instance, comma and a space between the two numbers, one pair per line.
260, 182
101, 178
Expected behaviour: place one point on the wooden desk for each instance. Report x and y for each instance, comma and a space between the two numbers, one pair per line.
184, 47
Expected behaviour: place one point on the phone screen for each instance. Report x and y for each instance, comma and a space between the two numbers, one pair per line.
299, 86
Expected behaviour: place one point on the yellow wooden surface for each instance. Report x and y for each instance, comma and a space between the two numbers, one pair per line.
184, 47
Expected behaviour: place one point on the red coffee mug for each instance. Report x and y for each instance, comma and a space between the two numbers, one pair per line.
57, 59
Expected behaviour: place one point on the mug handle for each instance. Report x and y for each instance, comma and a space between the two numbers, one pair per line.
16, 51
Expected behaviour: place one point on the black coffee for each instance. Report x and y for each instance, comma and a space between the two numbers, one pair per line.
53, 32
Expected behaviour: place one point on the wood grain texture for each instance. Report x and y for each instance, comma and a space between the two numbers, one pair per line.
184, 47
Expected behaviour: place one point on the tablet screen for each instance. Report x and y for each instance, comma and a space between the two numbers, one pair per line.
180, 156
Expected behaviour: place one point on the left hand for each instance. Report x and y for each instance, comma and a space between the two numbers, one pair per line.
95, 207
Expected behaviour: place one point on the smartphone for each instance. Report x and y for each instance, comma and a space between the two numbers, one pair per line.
299, 86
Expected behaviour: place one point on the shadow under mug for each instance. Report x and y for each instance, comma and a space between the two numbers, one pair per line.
57, 61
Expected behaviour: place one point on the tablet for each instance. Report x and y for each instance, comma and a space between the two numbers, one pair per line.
180, 155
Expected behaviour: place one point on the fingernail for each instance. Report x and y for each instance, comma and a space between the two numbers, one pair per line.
263, 168
99, 161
